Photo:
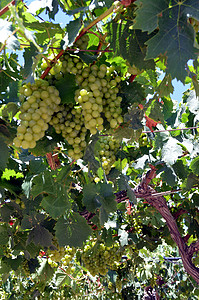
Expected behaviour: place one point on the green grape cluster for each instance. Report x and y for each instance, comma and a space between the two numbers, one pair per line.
143, 140
40, 101
99, 258
108, 149
69, 122
137, 224
55, 256
82, 42
71, 64
98, 96
68, 261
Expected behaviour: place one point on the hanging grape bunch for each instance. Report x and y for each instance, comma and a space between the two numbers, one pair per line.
69, 122
108, 148
40, 101
82, 42
98, 258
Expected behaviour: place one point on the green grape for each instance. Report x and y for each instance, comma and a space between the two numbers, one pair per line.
69, 122
108, 148
35, 112
98, 258
82, 42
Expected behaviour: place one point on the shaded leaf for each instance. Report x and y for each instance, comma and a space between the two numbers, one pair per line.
4, 154
67, 87
40, 236
56, 204
72, 231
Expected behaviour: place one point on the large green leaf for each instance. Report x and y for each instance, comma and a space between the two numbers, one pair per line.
43, 183
57, 203
99, 196
40, 236
72, 231
148, 12
129, 43
175, 37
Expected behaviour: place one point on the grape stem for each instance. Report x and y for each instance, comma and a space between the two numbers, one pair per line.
6, 8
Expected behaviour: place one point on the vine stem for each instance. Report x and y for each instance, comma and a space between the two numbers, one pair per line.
175, 129
6, 8
84, 30
159, 203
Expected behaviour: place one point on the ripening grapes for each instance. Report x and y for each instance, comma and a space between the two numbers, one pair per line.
98, 258
40, 101
68, 121
82, 42
108, 148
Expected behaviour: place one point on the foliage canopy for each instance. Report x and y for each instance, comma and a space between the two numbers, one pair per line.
98, 164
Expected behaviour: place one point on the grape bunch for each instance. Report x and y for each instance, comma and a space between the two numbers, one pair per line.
69, 122
82, 42
40, 101
99, 258
55, 255
98, 96
108, 148
68, 261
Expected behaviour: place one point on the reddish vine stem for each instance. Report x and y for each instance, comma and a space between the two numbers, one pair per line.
159, 202
175, 129
6, 8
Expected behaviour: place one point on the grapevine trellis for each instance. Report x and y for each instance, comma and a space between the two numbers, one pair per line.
85, 127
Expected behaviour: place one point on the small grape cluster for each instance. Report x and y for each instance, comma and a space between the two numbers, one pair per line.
68, 261
108, 149
143, 140
40, 101
69, 122
55, 255
82, 42
99, 258
137, 224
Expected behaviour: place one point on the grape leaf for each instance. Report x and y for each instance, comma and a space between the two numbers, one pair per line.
35, 6
57, 203
28, 55
72, 231
132, 94
43, 183
91, 196
194, 166
4, 235
40, 236
165, 88
168, 176
67, 87
134, 118
129, 43
4, 154
99, 196
148, 12
7, 35
175, 37
171, 151
73, 28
